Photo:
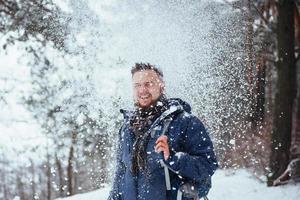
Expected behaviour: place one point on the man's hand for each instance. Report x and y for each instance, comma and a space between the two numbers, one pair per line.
162, 146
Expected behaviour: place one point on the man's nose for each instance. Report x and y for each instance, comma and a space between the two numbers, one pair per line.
143, 89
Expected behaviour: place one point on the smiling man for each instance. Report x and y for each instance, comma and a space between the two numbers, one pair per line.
164, 151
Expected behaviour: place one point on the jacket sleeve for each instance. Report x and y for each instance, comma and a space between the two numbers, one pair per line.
198, 161
115, 193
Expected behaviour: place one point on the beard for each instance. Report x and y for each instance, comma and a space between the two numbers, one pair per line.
148, 102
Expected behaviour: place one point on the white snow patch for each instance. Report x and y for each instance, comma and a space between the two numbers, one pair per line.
94, 195
179, 154
241, 185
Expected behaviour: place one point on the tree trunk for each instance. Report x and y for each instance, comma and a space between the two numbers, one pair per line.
286, 90
76, 179
5, 192
295, 145
3, 173
42, 188
60, 176
259, 111
70, 172
48, 172
20, 186
33, 185
70, 164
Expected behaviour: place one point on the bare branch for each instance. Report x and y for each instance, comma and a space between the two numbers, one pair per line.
260, 14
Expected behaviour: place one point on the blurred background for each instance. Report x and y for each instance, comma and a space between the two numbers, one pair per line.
65, 74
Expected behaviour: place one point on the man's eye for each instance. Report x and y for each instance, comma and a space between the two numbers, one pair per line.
149, 84
137, 85
146, 84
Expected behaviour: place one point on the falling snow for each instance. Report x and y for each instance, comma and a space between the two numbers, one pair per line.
66, 115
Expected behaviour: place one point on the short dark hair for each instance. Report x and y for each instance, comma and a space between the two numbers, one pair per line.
146, 66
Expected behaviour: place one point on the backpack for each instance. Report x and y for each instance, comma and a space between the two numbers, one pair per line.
194, 190
189, 189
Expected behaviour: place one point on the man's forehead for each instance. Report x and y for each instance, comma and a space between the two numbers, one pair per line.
145, 75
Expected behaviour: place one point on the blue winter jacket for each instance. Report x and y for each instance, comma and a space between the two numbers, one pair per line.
192, 157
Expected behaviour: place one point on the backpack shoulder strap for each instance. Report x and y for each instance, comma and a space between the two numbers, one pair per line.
166, 124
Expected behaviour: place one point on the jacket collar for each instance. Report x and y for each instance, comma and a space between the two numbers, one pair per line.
176, 105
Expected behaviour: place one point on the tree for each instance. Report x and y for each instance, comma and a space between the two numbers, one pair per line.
276, 36
286, 88
39, 20
34, 24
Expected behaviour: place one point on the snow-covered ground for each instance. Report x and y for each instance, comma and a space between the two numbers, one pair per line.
237, 186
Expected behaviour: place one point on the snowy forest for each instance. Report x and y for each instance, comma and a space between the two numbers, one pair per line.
65, 75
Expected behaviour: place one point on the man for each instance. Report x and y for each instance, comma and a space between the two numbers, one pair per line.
164, 151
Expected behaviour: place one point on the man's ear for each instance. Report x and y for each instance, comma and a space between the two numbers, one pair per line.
162, 87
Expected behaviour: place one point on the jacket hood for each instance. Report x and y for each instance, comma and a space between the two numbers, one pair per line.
180, 103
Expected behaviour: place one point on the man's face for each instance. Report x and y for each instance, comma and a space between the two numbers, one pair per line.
147, 87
